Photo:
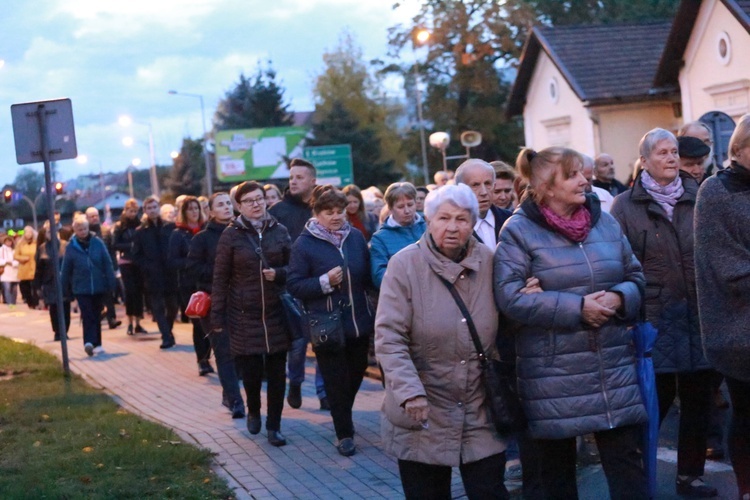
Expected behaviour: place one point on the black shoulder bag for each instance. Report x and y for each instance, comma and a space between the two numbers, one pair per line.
502, 398
326, 328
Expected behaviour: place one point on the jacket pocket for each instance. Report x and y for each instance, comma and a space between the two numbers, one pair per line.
396, 415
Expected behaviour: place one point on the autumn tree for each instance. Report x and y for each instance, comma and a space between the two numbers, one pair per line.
255, 102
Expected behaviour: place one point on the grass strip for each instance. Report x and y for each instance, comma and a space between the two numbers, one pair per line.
61, 438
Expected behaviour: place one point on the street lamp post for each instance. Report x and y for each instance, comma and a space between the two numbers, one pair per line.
125, 121
421, 36
209, 177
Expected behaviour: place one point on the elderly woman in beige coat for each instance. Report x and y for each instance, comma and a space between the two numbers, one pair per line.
434, 414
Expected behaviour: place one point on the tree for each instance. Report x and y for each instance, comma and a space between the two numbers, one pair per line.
339, 126
351, 109
557, 13
29, 182
188, 169
255, 102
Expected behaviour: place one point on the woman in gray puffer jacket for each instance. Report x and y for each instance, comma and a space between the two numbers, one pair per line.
566, 274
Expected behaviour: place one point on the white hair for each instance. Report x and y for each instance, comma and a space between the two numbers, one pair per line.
472, 163
80, 220
652, 138
460, 195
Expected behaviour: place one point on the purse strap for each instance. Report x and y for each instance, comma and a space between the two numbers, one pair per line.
469, 321
258, 250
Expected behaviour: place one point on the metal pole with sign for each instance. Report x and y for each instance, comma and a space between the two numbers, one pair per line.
44, 131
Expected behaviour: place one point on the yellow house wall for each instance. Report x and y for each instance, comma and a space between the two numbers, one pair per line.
541, 108
704, 69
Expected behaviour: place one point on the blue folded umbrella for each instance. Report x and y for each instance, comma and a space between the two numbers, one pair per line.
644, 337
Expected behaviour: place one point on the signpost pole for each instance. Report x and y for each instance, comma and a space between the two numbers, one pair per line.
54, 249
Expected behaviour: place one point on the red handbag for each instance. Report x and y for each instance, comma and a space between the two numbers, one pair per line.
198, 305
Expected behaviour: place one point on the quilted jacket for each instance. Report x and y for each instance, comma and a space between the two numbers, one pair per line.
572, 379
665, 250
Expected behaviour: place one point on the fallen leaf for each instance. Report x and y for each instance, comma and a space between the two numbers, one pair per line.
88, 449
37, 444
85, 480
207, 480
99, 466
121, 411
46, 418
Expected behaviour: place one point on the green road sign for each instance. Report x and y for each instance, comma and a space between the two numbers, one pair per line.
333, 163
258, 153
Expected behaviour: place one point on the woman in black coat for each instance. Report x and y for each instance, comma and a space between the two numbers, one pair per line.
330, 264
190, 220
123, 236
249, 274
44, 276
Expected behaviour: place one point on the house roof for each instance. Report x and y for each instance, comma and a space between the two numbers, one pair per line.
668, 72
604, 63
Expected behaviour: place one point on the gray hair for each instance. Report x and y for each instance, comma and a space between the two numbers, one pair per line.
81, 220
740, 137
398, 190
652, 138
470, 164
459, 195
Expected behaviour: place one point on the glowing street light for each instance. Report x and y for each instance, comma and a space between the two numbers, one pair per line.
174, 155
126, 121
422, 36
136, 162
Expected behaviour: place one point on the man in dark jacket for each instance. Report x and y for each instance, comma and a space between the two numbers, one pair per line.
150, 250
294, 212
604, 171
95, 226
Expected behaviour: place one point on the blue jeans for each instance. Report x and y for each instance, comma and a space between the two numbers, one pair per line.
296, 367
225, 367
91, 312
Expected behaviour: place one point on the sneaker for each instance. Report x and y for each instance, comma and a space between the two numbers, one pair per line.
694, 487
346, 447
514, 473
89, 348
294, 396
98, 350
324, 404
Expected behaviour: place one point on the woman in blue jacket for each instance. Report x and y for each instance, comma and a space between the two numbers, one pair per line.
330, 264
87, 273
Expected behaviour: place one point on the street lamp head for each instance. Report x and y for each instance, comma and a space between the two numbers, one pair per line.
136, 162
174, 154
127, 141
82, 159
422, 36
440, 140
172, 92
125, 121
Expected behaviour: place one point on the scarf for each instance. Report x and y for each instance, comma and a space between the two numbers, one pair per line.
335, 238
355, 221
576, 228
193, 230
665, 196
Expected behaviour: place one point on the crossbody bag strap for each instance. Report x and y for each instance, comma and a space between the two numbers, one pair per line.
469, 321
258, 251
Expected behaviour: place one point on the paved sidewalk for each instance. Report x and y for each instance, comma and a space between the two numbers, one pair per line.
164, 386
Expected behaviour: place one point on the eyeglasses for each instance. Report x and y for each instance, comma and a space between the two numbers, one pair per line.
253, 201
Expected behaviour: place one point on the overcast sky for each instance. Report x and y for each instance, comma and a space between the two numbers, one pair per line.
121, 57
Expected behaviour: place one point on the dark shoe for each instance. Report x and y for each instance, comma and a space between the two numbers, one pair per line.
89, 348
226, 403
204, 368
167, 343
130, 329
324, 405
276, 438
253, 424
238, 409
346, 447
715, 453
140, 329
294, 396
693, 486
114, 324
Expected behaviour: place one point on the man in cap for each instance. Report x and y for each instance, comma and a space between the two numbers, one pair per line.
693, 154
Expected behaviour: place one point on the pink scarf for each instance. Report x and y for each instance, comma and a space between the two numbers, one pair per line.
576, 228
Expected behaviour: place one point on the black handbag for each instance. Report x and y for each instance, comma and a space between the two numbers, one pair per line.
325, 329
503, 403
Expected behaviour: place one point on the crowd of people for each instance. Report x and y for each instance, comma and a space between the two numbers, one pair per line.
548, 263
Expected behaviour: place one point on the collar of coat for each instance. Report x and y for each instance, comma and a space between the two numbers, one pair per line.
445, 267
640, 195
244, 225
531, 210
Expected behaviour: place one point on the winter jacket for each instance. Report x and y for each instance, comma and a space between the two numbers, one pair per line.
312, 257
572, 379
87, 269
107, 236
293, 214
240, 295
202, 255
425, 349
24, 254
388, 241
44, 276
665, 250
179, 246
151, 254
8, 261
122, 240
722, 259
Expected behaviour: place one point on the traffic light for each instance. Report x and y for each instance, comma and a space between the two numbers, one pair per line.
58, 188
7, 195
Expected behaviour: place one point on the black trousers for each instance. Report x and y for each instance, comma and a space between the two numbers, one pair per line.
619, 449
251, 368
739, 433
53, 317
482, 479
342, 373
28, 292
131, 280
91, 313
695, 392
164, 308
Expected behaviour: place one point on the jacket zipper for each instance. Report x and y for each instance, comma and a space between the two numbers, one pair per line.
598, 346
263, 292
349, 287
